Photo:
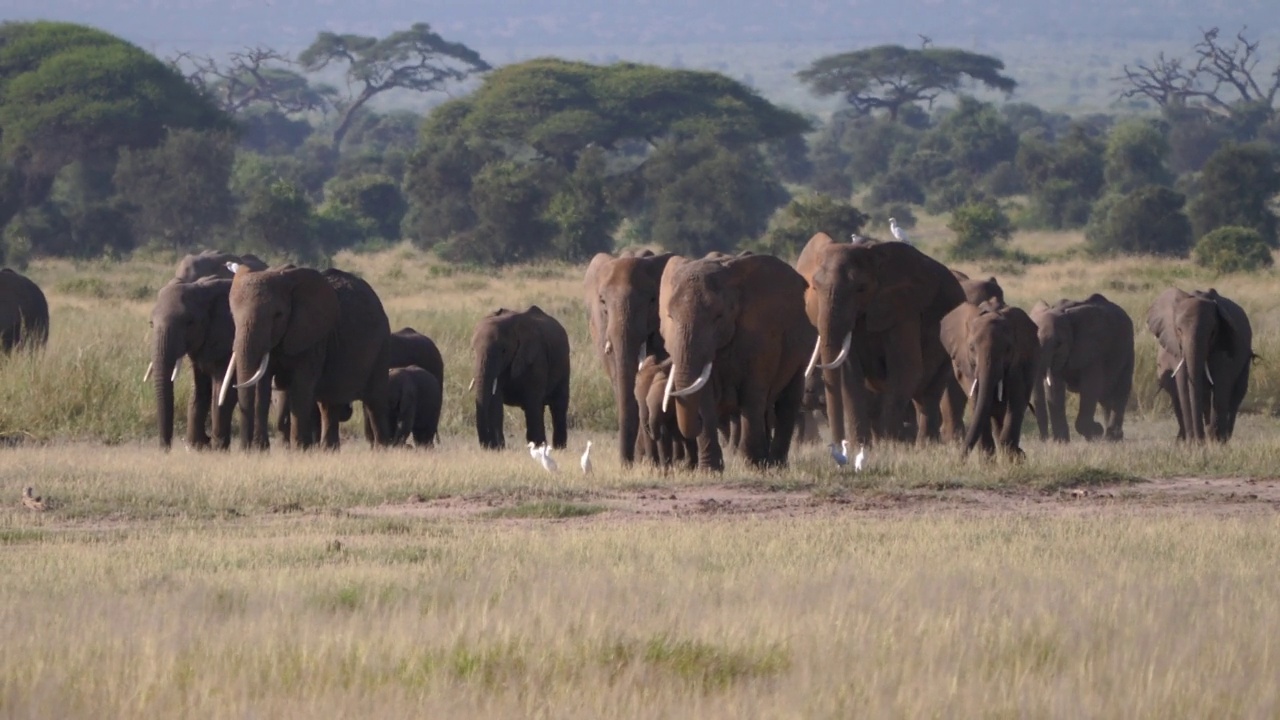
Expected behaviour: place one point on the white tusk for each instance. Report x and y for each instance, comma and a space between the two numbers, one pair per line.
671, 379
1207, 373
495, 386
233, 267
1178, 367
608, 346
262, 370
973, 387
697, 384
641, 365
1048, 380
1000, 391
813, 359
147, 375
471, 385
226, 380
177, 365
644, 353
844, 353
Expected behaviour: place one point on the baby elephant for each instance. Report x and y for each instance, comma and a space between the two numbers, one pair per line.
414, 407
659, 438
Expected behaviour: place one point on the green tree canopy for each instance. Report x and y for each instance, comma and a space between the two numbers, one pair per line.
888, 77
1236, 188
1135, 156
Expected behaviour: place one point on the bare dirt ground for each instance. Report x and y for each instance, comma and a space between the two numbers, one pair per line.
1213, 496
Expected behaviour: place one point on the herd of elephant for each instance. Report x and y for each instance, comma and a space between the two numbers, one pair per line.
738, 349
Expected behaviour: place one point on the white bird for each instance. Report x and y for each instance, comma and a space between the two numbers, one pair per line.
860, 461
544, 456
856, 239
534, 451
898, 233
841, 456
586, 460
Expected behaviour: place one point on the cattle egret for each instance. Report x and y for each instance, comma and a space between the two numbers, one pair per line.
898, 233
544, 456
841, 456
534, 452
860, 461
857, 239
586, 460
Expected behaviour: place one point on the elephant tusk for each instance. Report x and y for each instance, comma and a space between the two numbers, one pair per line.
471, 385
1178, 367
1208, 374
147, 375
262, 370
1000, 391
644, 353
1048, 380
671, 380
641, 365
495, 386
177, 365
697, 384
813, 359
973, 387
844, 353
233, 267
608, 346
226, 380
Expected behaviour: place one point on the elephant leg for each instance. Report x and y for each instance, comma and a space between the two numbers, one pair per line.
1088, 428
833, 387
1057, 404
1169, 385
198, 410
560, 417
952, 405
222, 417
786, 412
904, 368
302, 407
535, 423
710, 456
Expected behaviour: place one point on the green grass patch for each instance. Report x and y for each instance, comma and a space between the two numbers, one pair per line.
545, 510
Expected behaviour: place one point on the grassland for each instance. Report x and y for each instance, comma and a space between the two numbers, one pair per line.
1124, 580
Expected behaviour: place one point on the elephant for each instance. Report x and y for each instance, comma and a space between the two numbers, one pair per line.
621, 295
24, 313
737, 334
1086, 347
321, 336
813, 404
1206, 347
413, 408
193, 320
979, 291
659, 435
996, 355
409, 347
878, 309
521, 359
213, 263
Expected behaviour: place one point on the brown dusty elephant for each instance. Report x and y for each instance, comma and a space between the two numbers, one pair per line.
214, 263
193, 320
659, 436
1208, 341
521, 359
621, 295
322, 336
878, 308
979, 291
24, 312
1086, 347
995, 355
413, 408
738, 338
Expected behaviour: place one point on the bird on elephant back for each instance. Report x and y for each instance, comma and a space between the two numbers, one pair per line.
621, 295
995, 356
521, 359
878, 309
1205, 350
737, 334
1086, 347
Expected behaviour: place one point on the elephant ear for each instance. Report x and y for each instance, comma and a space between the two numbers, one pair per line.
954, 331
1230, 317
1161, 323
526, 354
314, 310
898, 297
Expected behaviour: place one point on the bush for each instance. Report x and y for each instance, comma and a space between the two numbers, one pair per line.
373, 198
895, 187
802, 218
1147, 220
1236, 187
981, 228
1233, 249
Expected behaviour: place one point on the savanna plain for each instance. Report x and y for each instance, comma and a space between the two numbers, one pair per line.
1133, 580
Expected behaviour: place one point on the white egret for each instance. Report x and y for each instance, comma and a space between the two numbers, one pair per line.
586, 460
898, 233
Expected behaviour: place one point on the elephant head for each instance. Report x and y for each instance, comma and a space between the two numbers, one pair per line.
622, 310
979, 291
994, 355
699, 306
212, 263
284, 315
189, 319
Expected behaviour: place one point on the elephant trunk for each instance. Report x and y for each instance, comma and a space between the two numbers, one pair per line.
840, 375
249, 358
686, 383
984, 389
626, 358
165, 355
1193, 384
488, 402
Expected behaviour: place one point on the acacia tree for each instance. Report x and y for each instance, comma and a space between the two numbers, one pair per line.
889, 77
252, 77
416, 59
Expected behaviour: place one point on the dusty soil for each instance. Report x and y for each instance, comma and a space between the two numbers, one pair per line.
1213, 496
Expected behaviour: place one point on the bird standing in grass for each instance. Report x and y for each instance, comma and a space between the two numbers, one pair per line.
30, 499
898, 233
586, 460
534, 451
860, 461
544, 457
841, 456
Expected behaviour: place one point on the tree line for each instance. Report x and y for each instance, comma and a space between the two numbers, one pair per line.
108, 150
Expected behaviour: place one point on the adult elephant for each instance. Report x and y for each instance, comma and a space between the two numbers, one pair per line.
214, 263
1207, 346
322, 335
738, 337
979, 291
521, 359
1086, 347
24, 312
995, 355
621, 295
878, 308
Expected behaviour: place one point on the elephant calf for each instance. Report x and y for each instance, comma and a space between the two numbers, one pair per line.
413, 410
521, 359
659, 437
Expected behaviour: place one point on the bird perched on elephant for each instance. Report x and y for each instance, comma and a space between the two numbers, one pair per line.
1086, 347
413, 407
1206, 347
995, 356
213, 263
979, 291
24, 312
322, 336
521, 359
738, 338
621, 295
878, 308
659, 436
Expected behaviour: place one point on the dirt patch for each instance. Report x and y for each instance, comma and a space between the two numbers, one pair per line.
1213, 496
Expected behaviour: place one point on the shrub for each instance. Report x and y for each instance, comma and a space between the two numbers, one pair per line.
1233, 249
981, 228
802, 218
1147, 220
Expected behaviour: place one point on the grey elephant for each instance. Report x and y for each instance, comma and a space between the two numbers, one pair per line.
213, 263
1206, 347
413, 407
659, 436
322, 336
979, 291
1086, 347
24, 312
521, 359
